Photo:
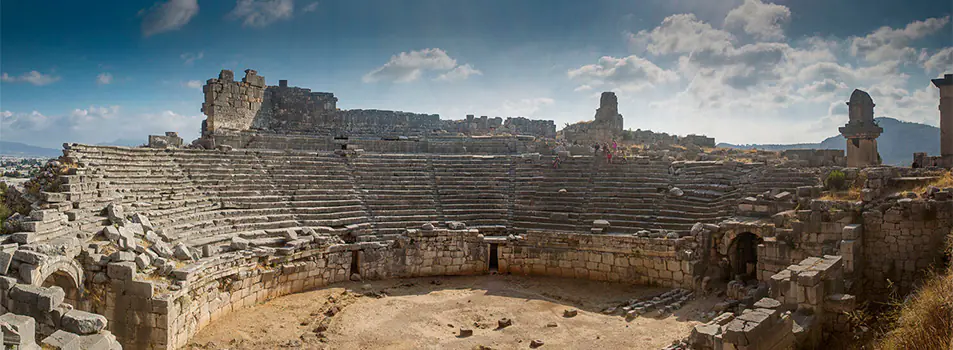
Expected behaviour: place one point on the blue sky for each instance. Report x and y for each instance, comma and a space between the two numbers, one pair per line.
743, 71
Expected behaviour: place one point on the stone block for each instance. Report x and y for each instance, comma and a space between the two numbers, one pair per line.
29, 257
50, 298
123, 271
18, 331
23, 237
142, 289
121, 256
62, 340
6, 257
82, 322
600, 223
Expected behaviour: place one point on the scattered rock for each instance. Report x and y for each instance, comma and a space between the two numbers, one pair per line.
536, 343
504, 322
570, 313
81, 322
181, 252
466, 332
355, 277
552, 325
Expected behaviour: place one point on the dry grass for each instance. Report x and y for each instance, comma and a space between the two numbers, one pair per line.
926, 320
851, 194
945, 180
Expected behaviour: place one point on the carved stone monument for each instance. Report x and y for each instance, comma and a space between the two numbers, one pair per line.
861, 131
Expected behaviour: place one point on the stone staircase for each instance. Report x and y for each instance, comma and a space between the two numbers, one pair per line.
473, 189
397, 189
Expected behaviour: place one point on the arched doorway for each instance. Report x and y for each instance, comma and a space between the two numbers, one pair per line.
63, 280
743, 256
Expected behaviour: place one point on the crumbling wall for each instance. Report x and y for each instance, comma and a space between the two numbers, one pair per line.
901, 241
231, 105
648, 261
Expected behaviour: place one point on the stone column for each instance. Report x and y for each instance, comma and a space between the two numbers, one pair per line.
946, 118
861, 131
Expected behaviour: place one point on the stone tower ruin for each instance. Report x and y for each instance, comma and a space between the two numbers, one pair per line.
946, 118
861, 131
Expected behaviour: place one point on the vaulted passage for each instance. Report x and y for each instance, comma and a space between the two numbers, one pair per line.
743, 256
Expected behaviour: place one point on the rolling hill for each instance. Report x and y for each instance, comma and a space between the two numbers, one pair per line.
896, 145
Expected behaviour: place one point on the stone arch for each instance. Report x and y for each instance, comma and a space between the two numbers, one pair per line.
742, 255
63, 272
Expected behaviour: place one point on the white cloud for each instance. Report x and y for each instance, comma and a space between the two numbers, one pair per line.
104, 78
940, 62
887, 43
760, 20
260, 13
310, 7
94, 124
682, 33
93, 113
526, 107
32, 77
193, 84
631, 73
461, 72
188, 58
409, 66
168, 16
11, 123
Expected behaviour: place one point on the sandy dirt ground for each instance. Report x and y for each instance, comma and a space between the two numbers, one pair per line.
427, 313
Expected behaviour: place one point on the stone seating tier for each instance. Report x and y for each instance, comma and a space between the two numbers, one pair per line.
204, 197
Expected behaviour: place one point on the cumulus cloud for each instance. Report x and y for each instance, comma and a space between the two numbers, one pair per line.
32, 77
104, 78
940, 62
188, 58
310, 7
888, 43
168, 16
261, 13
193, 84
631, 73
760, 20
461, 72
409, 66
681, 33
93, 124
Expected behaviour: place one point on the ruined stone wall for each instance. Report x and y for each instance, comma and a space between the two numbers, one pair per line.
648, 261
902, 240
232, 105
432, 144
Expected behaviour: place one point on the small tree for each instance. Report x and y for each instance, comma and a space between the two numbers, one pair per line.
835, 180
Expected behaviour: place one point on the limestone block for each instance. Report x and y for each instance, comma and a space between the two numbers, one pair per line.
6, 257
182, 252
23, 237
121, 256
18, 331
82, 322
123, 271
62, 340
50, 298
143, 260
29, 257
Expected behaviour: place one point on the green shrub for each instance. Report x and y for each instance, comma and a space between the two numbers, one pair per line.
835, 180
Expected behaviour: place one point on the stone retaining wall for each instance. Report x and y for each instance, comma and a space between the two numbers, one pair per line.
647, 261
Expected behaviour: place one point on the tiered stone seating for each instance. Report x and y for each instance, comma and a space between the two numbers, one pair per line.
146, 180
628, 194
709, 190
540, 202
319, 188
398, 190
246, 197
784, 179
473, 189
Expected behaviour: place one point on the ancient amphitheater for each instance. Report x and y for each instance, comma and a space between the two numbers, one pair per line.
152, 247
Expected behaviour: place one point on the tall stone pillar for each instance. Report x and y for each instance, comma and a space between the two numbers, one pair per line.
946, 118
861, 131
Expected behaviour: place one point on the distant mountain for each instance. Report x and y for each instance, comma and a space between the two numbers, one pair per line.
17, 149
896, 145
123, 142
